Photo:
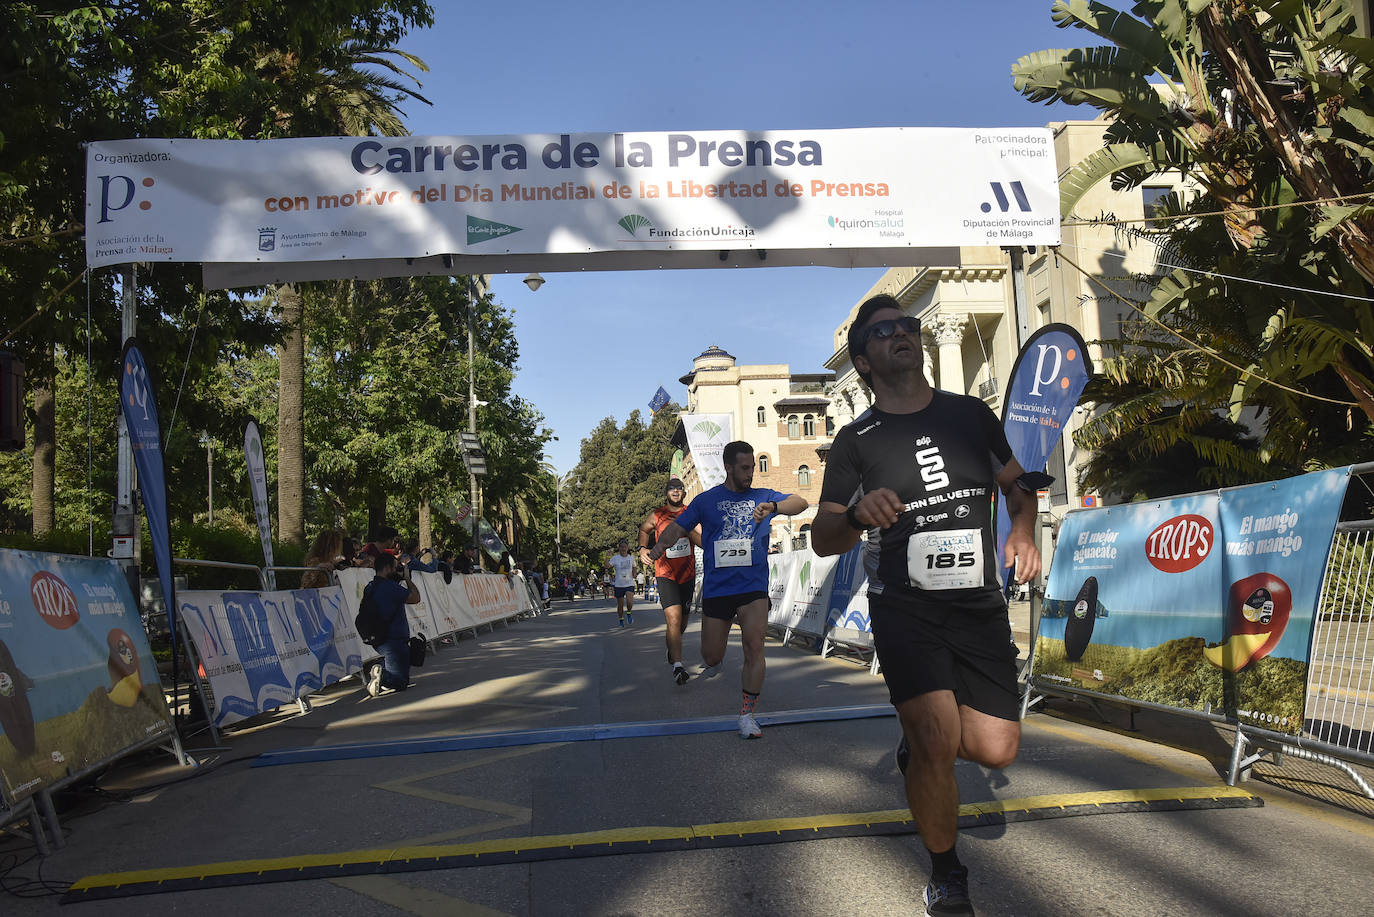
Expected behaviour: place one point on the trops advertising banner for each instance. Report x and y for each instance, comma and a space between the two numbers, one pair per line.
642, 196
78, 683
1203, 602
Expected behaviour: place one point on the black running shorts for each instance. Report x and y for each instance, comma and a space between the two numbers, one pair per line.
969, 652
671, 592
622, 591
725, 607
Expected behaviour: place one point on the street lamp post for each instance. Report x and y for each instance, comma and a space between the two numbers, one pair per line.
559, 482
209, 477
472, 397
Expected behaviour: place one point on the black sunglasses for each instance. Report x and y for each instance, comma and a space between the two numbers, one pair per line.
888, 327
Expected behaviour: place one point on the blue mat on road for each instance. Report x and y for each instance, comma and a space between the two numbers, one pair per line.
593, 733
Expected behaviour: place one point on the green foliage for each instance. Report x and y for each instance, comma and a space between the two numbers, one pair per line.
1345, 591
1260, 106
1176, 674
618, 481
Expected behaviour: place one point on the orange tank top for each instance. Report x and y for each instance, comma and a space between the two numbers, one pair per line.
678, 563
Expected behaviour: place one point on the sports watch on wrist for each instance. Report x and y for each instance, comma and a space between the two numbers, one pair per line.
852, 518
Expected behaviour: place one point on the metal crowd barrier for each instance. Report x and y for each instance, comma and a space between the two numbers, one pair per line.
1338, 718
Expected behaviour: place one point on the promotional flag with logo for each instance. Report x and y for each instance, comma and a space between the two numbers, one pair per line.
660, 399
707, 435
257, 483
1046, 381
137, 401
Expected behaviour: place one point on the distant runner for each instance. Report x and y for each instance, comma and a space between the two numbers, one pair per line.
734, 530
623, 566
675, 572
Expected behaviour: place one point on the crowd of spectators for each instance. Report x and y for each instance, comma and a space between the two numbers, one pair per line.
332, 550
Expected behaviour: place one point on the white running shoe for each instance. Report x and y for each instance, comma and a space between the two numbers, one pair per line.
374, 680
709, 671
749, 727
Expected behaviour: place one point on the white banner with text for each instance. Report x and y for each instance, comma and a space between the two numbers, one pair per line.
641, 196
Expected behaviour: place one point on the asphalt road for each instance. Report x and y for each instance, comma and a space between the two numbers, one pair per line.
506, 823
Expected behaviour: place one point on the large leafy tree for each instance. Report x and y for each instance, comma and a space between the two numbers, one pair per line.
74, 73
619, 478
347, 89
1267, 107
387, 384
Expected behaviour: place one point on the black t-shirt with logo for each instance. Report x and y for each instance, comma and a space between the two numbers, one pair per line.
942, 462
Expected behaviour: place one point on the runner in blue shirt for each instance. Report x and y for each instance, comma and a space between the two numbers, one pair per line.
734, 538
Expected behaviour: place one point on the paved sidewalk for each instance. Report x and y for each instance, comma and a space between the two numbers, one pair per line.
799, 822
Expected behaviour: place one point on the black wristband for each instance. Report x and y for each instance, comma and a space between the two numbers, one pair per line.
852, 518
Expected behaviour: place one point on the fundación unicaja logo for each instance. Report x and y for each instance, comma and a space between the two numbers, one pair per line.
707, 429
632, 222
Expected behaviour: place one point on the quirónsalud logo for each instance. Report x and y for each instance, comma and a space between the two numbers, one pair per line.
480, 230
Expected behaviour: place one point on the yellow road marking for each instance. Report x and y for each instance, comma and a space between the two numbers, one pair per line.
643, 834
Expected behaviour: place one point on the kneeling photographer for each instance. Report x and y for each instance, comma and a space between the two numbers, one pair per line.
393, 590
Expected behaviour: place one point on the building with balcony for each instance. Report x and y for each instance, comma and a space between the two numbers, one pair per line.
975, 314
785, 416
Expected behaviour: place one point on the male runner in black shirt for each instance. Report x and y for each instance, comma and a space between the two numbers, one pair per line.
917, 471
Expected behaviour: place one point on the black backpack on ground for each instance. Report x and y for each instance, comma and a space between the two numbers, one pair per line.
372, 629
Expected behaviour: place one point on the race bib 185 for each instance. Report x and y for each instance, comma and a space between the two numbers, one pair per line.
945, 560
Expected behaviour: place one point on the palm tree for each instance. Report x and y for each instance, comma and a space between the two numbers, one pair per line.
350, 97
1267, 108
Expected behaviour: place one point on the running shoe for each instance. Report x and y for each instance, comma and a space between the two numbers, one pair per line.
622, 622
949, 897
749, 727
680, 675
374, 680
709, 671
630, 618
902, 755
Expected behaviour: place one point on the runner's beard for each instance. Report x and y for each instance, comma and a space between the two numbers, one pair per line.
677, 505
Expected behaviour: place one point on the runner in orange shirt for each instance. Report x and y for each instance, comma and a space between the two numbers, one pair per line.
674, 573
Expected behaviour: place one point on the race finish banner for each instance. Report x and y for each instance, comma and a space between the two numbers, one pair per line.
707, 435
1204, 602
269, 211
78, 682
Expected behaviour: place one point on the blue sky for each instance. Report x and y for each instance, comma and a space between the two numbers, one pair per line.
594, 345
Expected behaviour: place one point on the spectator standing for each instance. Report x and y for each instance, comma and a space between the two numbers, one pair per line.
467, 561
325, 555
